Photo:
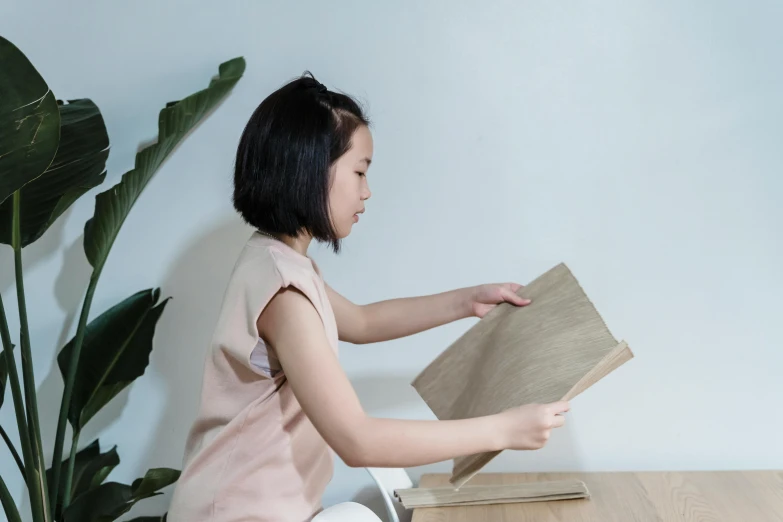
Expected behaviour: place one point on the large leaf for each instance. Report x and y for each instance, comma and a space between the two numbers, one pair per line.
89, 471
111, 500
174, 122
29, 121
79, 165
3, 374
116, 351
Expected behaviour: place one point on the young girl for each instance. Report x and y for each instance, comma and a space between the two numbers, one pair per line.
275, 400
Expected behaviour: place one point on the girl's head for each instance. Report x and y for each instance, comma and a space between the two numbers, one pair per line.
301, 163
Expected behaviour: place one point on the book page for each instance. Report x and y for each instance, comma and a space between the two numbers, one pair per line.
537, 353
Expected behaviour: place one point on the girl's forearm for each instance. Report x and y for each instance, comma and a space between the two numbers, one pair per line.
395, 318
407, 443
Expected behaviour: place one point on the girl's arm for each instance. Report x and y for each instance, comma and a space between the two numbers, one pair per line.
395, 318
292, 326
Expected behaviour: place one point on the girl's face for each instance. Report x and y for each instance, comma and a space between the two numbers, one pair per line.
349, 187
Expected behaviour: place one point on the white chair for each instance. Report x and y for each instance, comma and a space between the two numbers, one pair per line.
347, 512
387, 480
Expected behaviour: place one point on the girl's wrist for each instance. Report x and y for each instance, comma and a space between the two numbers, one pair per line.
497, 426
467, 296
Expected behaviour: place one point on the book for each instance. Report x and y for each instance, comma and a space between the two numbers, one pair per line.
492, 494
552, 349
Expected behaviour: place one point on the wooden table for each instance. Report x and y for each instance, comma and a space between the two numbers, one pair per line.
693, 496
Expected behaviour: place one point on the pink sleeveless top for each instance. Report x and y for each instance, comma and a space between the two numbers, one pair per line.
252, 454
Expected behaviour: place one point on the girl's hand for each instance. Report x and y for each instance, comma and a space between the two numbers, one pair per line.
484, 298
528, 427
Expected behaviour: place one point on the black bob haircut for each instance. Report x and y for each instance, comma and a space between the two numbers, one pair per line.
281, 173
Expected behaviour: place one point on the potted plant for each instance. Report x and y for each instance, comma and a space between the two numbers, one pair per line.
51, 153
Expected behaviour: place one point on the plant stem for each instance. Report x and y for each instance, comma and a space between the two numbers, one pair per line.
69, 380
31, 399
9, 506
19, 408
69, 474
15, 454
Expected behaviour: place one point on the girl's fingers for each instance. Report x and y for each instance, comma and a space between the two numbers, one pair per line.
560, 407
513, 298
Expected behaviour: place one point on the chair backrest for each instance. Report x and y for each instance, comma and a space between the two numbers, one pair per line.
387, 480
347, 512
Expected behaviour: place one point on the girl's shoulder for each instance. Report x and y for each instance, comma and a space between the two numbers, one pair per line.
263, 267
270, 259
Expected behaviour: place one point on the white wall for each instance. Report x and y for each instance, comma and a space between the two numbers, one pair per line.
637, 142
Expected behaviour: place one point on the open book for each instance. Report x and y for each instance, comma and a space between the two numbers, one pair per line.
550, 350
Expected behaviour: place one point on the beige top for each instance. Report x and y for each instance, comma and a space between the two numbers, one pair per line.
252, 454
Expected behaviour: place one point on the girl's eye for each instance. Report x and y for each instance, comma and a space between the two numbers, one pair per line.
360, 173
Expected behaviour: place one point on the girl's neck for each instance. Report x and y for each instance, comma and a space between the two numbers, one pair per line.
299, 244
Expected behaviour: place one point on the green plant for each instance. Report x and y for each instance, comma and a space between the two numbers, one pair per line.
51, 153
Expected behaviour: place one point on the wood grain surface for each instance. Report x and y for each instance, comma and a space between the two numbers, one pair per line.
692, 496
